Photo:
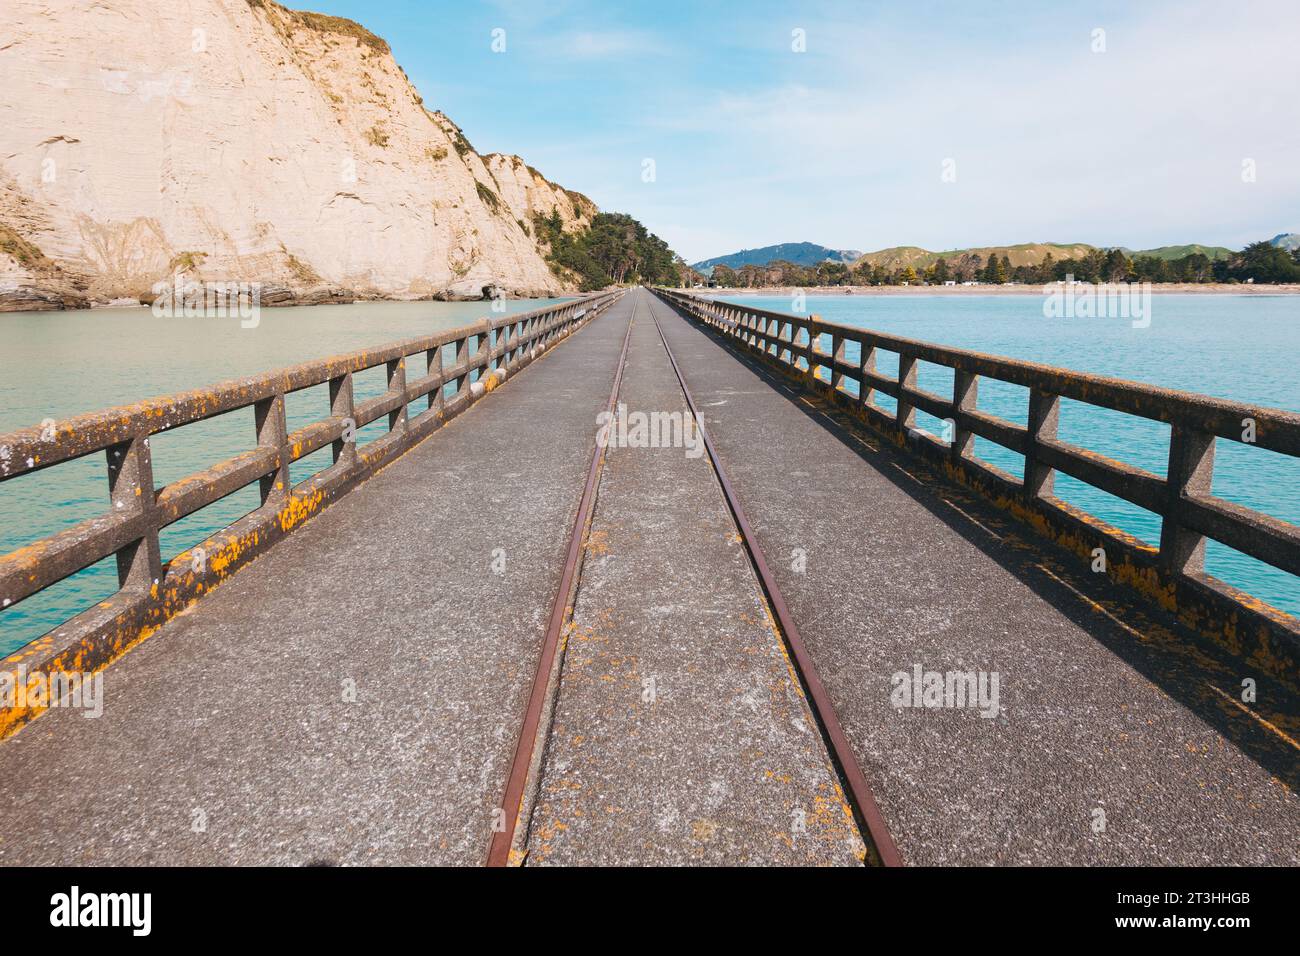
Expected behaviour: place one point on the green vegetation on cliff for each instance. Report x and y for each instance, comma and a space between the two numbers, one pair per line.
614, 249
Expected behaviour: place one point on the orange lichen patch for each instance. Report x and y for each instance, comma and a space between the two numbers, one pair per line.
22, 711
299, 509
702, 831
24, 558
548, 831
598, 543
83, 658
843, 803
36, 648
13, 719
586, 634
795, 684
231, 554
1148, 581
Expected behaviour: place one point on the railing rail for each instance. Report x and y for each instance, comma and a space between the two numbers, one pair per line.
485, 352
1189, 512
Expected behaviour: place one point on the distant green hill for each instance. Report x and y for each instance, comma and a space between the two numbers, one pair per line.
800, 253
1023, 254
1178, 252
900, 257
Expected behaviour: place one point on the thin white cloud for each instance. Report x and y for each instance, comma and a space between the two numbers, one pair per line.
609, 44
1142, 144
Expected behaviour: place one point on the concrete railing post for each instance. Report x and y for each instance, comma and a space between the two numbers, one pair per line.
397, 383
341, 406
273, 432
809, 355
130, 488
1044, 415
1190, 474
837, 356
965, 397
906, 414
433, 360
867, 365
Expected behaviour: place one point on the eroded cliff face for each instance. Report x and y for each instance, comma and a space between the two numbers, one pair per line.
241, 141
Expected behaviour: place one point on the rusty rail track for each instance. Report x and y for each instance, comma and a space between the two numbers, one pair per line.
1172, 575
151, 591
526, 745
870, 820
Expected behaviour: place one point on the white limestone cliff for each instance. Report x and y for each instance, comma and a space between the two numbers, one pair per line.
242, 141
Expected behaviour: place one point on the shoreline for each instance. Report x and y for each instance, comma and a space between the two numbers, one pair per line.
280, 297
23, 301
1165, 288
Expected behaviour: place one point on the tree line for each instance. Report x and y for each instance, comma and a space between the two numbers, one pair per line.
615, 249
1260, 262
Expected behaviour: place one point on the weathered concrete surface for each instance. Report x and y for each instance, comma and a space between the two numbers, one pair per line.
227, 737
1102, 710
234, 717
680, 734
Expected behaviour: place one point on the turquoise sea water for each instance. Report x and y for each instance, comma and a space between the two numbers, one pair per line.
59, 364
1245, 348
53, 365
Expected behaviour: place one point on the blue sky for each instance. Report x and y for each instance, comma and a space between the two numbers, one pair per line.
845, 143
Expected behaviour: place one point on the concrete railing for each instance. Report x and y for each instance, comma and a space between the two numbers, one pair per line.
1173, 574
152, 591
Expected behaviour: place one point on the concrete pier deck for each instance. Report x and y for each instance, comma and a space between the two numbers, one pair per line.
1117, 739
354, 695
681, 735
234, 717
